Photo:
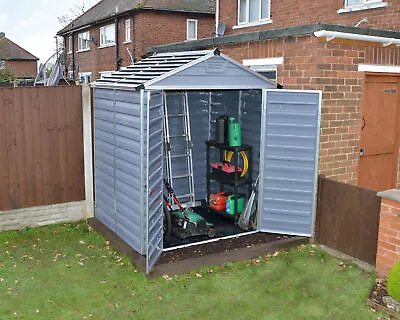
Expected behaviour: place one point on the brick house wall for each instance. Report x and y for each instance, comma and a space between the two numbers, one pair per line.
388, 251
286, 13
170, 28
21, 68
149, 28
333, 68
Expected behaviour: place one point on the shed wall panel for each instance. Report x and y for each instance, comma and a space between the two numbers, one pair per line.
127, 153
104, 156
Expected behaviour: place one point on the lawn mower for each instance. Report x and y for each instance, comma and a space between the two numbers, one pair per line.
184, 223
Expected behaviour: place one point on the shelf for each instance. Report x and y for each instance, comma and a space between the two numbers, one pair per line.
227, 180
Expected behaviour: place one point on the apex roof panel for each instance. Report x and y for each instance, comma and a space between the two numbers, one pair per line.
199, 70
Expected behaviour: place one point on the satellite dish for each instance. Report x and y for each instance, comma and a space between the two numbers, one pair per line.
220, 29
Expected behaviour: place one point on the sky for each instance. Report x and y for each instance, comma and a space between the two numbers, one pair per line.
33, 24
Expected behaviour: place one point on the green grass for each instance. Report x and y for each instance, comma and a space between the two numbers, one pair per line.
69, 272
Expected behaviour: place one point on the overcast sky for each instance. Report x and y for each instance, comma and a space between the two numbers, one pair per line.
32, 24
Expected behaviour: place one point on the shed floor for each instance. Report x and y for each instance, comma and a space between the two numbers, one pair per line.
224, 226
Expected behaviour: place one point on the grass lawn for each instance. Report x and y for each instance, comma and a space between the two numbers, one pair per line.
68, 272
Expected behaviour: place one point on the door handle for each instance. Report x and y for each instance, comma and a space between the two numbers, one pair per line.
362, 152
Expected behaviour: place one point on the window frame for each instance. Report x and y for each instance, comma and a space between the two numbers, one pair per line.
260, 19
188, 22
2, 64
363, 3
82, 39
102, 29
70, 44
264, 65
128, 30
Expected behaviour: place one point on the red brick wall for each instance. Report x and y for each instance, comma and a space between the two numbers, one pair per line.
288, 13
312, 65
389, 236
23, 68
150, 29
170, 28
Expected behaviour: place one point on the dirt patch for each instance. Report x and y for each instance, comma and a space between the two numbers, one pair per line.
378, 297
223, 245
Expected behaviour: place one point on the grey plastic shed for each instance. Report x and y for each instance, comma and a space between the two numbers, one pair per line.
281, 125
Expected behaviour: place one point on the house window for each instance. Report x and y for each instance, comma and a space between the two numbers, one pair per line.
251, 11
107, 35
2, 64
84, 41
84, 77
70, 44
191, 29
128, 30
352, 3
267, 67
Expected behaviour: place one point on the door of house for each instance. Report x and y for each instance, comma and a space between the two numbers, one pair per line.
379, 146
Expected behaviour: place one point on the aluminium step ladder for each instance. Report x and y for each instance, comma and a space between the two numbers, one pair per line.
178, 147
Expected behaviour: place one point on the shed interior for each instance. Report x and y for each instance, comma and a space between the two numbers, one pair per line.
204, 107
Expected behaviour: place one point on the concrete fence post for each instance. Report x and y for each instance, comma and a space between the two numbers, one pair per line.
88, 149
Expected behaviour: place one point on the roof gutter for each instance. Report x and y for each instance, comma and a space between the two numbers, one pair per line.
330, 35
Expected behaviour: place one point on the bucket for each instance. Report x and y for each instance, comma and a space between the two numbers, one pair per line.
235, 133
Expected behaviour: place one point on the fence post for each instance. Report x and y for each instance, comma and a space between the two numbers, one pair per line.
87, 147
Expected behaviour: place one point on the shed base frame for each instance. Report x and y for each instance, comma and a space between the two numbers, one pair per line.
187, 265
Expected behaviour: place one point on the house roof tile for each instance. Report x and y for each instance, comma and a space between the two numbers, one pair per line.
107, 9
11, 51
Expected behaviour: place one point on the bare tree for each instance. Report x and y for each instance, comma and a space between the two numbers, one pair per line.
75, 11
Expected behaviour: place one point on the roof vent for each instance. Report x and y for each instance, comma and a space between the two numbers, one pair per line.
2, 35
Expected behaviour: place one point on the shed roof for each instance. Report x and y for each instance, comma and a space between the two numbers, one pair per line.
194, 70
107, 9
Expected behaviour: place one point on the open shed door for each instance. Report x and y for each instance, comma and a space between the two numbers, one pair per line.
289, 161
153, 153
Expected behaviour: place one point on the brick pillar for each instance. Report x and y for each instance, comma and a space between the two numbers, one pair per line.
389, 232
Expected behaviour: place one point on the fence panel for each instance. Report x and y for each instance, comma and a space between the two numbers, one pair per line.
348, 219
41, 146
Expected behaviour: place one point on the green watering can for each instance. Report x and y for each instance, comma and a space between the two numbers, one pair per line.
235, 133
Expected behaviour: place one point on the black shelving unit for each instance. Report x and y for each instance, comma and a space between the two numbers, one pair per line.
234, 180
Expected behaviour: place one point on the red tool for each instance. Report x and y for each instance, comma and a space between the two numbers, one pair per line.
218, 200
226, 167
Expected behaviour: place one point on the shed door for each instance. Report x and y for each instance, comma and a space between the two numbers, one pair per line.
379, 145
154, 179
289, 161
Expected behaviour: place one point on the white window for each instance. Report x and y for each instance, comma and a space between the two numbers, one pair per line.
191, 29
352, 3
84, 41
358, 5
128, 30
107, 35
251, 11
84, 77
267, 67
2, 64
70, 44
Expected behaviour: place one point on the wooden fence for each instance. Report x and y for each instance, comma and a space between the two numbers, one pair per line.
348, 219
41, 146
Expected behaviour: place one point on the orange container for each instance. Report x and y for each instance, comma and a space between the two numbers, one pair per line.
218, 201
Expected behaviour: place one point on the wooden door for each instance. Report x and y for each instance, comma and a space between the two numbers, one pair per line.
379, 146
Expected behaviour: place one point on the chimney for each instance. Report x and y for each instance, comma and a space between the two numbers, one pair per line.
2, 35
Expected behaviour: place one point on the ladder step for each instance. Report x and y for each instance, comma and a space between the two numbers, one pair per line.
177, 115
188, 195
178, 136
180, 155
182, 176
